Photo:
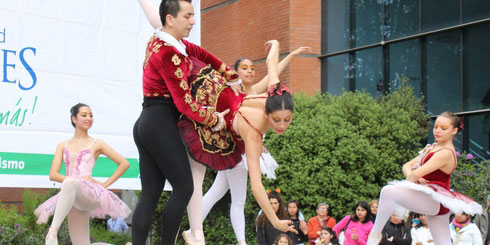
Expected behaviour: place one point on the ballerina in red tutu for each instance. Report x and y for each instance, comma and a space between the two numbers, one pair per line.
426, 189
81, 196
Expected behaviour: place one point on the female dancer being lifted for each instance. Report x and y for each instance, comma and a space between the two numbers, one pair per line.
249, 118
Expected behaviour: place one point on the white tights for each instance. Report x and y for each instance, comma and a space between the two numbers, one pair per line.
194, 208
78, 220
415, 201
236, 180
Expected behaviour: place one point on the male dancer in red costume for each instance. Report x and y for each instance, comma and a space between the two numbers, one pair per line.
166, 95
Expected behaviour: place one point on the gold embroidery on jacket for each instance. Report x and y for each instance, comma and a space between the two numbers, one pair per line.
183, 84
176, 60
179, 73
194, 107
188, 99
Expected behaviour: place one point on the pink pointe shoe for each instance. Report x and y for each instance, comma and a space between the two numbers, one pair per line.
374, 238
190, 240
52, 236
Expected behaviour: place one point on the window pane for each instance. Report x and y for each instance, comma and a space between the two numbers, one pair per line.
478, 67
475, 10
365, 22
337, 74
479, 135
405, 64
337, 26
443, 72
439, 14
402, 18
368, 70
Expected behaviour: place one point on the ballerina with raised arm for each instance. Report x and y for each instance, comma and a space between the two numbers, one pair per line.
249, 118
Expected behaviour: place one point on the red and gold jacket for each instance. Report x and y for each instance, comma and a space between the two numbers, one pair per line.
166, 72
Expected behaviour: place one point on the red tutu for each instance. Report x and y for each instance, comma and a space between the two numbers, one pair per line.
218, 150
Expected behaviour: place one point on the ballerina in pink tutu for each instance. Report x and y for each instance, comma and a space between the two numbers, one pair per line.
81, 196
426, 189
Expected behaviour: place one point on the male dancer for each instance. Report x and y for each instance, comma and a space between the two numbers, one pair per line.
166, 95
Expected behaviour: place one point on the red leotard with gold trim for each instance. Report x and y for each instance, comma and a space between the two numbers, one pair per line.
218, 150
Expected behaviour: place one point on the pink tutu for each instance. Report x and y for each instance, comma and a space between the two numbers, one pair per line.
107, 202
78, 165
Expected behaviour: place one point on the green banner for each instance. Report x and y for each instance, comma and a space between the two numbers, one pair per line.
40, 164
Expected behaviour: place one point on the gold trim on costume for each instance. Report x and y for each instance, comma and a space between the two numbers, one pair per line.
156, 47
183, 84
188, 98
202, 113
222, 68
194, 107
176, 60
179, 73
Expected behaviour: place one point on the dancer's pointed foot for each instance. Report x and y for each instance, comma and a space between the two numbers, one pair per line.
374, 238
190, 240
52, 236
242, 242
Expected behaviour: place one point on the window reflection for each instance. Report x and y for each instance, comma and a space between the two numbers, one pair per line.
404, 64
443, 72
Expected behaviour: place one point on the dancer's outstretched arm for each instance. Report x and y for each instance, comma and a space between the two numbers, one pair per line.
272, 62
253, 149
151, 12
261, 86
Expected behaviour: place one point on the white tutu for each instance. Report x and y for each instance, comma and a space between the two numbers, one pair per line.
267, 164
454, 201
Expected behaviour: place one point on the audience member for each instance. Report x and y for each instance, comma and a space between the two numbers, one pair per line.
420, 232
266, 233
356, 227
482, 222
117, 224
322, 219
395, 232
463, 232
293, 214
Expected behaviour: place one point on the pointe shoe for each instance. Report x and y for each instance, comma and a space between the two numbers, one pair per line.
52, 236
190, 240
374, 238
242, 242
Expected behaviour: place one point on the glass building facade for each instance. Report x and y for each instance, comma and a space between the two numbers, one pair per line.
440, 47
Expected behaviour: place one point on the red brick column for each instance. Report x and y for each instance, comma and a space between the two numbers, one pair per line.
233, 29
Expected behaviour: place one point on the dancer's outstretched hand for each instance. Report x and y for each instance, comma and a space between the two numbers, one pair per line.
269, 44
302, 50
285, 226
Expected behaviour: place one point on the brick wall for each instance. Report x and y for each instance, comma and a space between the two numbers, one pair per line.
239, 28
13, 196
